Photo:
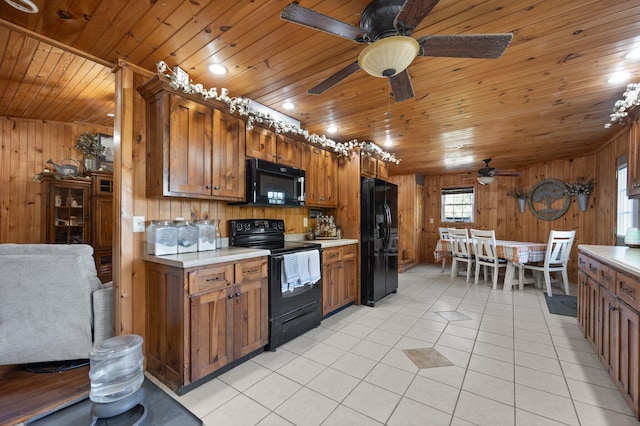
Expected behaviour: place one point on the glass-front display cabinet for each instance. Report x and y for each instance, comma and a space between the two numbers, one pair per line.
66, 211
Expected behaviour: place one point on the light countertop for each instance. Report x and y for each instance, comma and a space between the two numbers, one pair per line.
203, 258
622, 257
335, 243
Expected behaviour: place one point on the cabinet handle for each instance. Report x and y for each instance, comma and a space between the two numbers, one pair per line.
611, 307
605, 277
212, 279
217, 187
341, 266
230, 296
591, 268
626, 290
238, 294
251, 271
583, 282
207, 186
581, 262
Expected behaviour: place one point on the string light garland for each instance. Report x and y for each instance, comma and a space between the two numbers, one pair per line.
241, 106
631, 98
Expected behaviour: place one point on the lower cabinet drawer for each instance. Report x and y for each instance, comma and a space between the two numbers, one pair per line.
252, 270
211, 278
349, 251
628, 289
330, 255
589, 266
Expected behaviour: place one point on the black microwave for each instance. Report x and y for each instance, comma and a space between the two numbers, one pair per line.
271, 184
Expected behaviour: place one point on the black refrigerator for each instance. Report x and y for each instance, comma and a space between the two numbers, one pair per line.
379, 240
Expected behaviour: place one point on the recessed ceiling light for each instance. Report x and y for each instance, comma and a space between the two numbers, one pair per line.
332, 129
634, 54
23, 5
218, 69
619, 77
288, 105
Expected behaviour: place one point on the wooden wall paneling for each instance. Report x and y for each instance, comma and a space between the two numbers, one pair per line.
407, 189
25, 146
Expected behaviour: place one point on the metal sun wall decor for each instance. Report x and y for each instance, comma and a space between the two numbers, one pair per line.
241, 105
549, 200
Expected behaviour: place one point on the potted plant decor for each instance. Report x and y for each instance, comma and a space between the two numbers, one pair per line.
521, 196
581, 188
89, 145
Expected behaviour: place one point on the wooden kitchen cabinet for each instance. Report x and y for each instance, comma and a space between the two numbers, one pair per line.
66, 210
195, 149
627, 378
608, 308
321, 169
338, 277
204, 320
102, 223
372, 167
633, 162
587, 306
268, 145
615, 319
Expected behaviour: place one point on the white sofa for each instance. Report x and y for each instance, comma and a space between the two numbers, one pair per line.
53, 307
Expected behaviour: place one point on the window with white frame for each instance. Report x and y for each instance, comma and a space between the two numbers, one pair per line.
457, 204
627, 212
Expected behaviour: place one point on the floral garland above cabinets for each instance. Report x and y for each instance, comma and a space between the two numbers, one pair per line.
241, 105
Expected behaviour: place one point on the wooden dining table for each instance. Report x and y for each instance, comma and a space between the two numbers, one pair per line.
515, 253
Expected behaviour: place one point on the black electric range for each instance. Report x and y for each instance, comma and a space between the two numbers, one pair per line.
291, 312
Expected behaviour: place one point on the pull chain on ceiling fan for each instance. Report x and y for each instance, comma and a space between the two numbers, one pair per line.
386, 25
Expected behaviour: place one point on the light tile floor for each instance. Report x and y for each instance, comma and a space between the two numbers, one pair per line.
514, 364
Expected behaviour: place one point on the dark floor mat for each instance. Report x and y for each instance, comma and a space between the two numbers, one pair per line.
562, 305
162, 410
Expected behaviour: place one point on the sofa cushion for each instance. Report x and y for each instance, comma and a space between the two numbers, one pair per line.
45, 308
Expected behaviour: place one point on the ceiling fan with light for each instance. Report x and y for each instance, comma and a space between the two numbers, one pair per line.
487, 174
385, 25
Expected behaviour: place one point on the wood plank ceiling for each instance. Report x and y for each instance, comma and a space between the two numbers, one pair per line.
546, 98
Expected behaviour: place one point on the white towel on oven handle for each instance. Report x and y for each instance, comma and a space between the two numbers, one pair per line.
303, 268
290, 266
314, 266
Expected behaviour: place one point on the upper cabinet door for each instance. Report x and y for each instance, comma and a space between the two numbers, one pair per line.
267, 145
261, 143
321, 169
228, 178
633, 171
189, 147
288, 151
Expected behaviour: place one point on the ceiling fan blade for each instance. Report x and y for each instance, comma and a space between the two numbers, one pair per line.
401, 86
309, 18
334, 79
412, 13
484, 46
502, 173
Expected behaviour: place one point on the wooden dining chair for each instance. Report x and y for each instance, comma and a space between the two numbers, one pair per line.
484, 250
460, 250
444, 235
556, 258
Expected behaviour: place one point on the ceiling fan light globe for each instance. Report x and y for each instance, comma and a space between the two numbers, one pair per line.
486, 180
388, 55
